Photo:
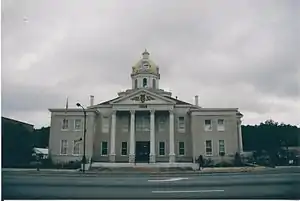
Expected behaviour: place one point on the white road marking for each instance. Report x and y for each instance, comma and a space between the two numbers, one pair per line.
170, 179
191, 191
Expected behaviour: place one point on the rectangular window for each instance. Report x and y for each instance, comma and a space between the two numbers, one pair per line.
208, 125
181, 123
105, 124
76, 147
161, 124
65, 124
124, 149
64, 147
104, 149
208, 147
77, 124
221, 125
221, 147
161, 148
181, 148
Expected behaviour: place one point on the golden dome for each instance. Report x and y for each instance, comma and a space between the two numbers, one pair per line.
145, 65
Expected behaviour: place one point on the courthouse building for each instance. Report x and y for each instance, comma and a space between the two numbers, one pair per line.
145, 124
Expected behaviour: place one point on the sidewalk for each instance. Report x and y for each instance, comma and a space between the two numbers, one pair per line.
34, 170
119, 171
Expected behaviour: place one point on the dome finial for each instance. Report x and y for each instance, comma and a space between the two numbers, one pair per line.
145, 54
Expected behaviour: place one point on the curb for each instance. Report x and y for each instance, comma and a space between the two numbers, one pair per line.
135, 185
94, 174
49, 172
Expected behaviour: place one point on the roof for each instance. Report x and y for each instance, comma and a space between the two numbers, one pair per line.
107, 102
43, 151
89, 109
178, 102
9, 119
145, 65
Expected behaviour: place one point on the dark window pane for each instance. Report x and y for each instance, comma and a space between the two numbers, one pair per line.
207, 122
144, 82
124, 152
161, 152
181, 148
104, 152
104, 145
161, 148
104, 148
124, 148
181, 145
124, 145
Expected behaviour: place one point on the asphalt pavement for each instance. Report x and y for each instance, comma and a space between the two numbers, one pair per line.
279, 184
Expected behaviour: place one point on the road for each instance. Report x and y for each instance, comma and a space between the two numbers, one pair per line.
284, 185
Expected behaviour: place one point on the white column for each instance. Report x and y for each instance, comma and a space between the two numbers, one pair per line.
152, 136
113, 138
132, 137
171, 140
240, 136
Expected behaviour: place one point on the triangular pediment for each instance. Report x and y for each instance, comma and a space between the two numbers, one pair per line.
143, 96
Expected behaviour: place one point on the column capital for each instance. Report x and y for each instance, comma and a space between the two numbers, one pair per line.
132, 111
152, 111
114, 111
171, 111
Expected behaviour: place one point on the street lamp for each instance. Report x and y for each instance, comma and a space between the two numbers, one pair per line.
84, 134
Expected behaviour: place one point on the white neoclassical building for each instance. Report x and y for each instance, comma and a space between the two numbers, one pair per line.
145, 124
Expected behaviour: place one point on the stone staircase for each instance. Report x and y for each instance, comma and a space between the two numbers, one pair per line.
140, 169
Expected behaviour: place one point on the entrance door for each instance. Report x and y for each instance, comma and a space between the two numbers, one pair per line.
142, 150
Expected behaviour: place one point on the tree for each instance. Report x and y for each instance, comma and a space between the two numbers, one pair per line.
41, 137
18, 143
270, 136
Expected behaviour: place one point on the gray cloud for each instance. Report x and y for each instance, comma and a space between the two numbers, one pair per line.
233, 54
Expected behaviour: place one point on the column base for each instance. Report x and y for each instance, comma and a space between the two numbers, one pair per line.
152, 158
112, 158
132, 158
171, 158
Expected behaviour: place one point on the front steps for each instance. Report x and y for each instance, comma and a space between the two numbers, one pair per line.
139, 169
142, 167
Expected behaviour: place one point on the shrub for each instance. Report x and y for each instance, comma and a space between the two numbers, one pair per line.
208, 162
48, 163
237, 160
224, 164
72, 165
264, 159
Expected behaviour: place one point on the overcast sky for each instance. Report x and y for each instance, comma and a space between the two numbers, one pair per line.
231, 53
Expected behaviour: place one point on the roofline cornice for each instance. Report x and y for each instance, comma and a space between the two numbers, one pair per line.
71, 110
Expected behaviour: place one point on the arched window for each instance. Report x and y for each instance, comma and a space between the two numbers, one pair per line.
154, 84
135, 83
145, 82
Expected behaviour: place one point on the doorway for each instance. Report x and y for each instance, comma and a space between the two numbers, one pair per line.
142, 150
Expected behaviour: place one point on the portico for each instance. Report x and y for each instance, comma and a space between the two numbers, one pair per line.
151, 134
